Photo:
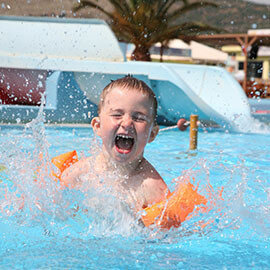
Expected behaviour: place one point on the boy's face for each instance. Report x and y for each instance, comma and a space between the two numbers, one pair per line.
125, 124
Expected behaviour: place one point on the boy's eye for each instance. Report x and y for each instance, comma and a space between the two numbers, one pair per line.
139, 118
116, 115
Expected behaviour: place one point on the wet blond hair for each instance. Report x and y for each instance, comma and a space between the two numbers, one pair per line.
130, 83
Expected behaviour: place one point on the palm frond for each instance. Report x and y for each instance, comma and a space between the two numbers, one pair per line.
165, 8
120, 6
192, 28
146, 22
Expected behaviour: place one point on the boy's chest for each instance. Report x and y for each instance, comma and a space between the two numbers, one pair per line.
134, 193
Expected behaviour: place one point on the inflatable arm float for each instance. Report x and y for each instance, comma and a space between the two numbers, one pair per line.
168, 213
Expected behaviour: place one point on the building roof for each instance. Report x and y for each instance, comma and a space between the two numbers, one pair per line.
177, 49
176, 43
205, 53
229, 39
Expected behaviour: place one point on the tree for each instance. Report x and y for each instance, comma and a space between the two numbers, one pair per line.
146, 22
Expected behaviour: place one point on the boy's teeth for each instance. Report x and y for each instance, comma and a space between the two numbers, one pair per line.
124, 136
124, 142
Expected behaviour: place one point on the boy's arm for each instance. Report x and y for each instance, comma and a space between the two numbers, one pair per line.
71, 176
155, 188
156, 191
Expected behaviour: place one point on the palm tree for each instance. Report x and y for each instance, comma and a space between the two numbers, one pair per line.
146, 22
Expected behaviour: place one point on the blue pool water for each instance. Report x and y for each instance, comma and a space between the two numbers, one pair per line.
42, 228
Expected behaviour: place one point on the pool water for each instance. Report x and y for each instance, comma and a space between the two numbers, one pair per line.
41, 226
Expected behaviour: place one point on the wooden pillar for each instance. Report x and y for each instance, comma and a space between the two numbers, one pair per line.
193, 137
245, 44
245, 49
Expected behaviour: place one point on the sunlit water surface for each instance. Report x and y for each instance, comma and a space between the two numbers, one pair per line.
43, 226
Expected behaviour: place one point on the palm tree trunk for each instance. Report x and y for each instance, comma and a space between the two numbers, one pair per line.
161, 52
141, 54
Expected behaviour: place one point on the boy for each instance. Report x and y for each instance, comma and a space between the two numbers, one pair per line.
126, 122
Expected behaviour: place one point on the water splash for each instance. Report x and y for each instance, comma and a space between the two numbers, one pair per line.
238, 206
29, 189
32, 199
248, 124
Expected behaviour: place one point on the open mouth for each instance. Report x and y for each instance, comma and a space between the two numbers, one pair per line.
124, 143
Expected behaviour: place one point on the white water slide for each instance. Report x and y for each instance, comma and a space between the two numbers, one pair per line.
89, 50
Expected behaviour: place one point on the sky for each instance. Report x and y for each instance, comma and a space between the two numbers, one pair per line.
266, 2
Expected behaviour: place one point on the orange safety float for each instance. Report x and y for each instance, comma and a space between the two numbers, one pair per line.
168, 213
64, 161
175, 209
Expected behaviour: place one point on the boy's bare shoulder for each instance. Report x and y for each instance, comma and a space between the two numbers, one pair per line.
151, 172
154, 187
